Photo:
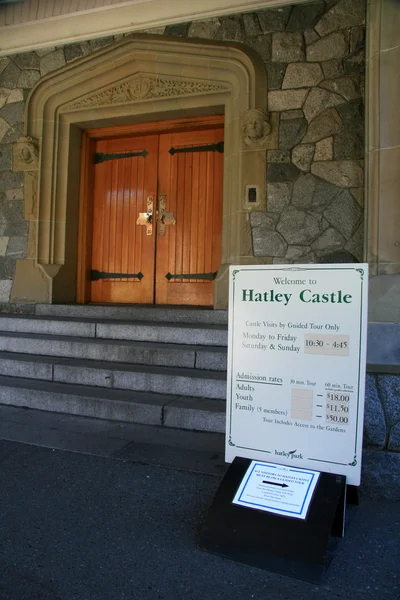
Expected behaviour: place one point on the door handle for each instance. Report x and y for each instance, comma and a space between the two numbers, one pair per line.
164, 218
146, 218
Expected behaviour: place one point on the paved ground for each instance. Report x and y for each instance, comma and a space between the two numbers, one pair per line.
114, 514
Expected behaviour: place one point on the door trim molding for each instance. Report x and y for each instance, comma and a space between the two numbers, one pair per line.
89, 138
147, 78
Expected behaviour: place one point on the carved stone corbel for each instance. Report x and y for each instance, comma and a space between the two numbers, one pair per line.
25, 154
256, 128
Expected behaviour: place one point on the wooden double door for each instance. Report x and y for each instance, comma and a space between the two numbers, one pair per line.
157, 218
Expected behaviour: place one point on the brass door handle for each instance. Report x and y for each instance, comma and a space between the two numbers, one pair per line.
164, 218
146, 218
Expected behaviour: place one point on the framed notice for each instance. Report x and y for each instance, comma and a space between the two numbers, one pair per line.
296, 366
281, 490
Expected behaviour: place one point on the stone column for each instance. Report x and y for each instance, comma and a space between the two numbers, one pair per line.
383, 158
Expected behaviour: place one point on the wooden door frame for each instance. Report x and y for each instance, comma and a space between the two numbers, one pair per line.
86, 191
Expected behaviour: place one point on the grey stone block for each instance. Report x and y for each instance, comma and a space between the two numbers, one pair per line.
5, 157
196, 414
232, 28
30, 369
17, 228
274, 19
389, 392
348, 145
17, 247
263, 219
381, 474
280, 172
291, 132
252, 25
262, 44
383, 343
324, 125
126, 352
309, 192
305, 16
28, 79
27, 60
394, 438
180, 29
288, 47
355, 64
275, 74
356, 244
100, 43
344, 14
298, 227
174, 335
13, 113
114, 405
352, 115
302, 156
4, 62
211, 361
374, 418
83, 376
51, 62
72, 52
344, 214
335, 45
181, 385
9, 76
278, 196
278, 156
7, 267
13, 134
329, 240
206, 28
332, 68
268, 243
5, 290
47, 326
135, 313
8, 181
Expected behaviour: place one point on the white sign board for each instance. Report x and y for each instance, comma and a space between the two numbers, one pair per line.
296, 366
277, 489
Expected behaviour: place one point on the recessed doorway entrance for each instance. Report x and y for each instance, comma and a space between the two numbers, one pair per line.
151, 213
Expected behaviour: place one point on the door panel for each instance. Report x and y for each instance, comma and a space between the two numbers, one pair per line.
186, 234
119, 245
192, 185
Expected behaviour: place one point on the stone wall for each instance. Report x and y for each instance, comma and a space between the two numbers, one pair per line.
381, 455
314, 57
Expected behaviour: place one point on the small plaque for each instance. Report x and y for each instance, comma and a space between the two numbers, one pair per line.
278, 489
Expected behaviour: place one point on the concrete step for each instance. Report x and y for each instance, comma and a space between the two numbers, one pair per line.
180, 412
167, 380
135, 313
213, 358
174, 333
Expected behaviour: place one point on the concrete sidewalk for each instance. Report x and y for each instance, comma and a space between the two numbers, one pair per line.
113, 514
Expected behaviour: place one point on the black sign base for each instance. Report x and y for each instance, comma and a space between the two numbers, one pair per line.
298, 548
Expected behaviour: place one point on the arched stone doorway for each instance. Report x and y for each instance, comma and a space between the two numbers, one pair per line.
134, 81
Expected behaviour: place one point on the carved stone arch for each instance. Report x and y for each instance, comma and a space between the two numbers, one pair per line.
146, 78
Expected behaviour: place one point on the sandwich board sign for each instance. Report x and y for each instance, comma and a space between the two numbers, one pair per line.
296, 366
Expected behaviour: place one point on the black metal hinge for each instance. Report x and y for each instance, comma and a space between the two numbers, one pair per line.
101, 157
96, 275
207, 276
211, 148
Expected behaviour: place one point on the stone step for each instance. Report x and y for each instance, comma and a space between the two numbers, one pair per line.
174, 333
213, 358
163, 380
180, 412
135, 313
